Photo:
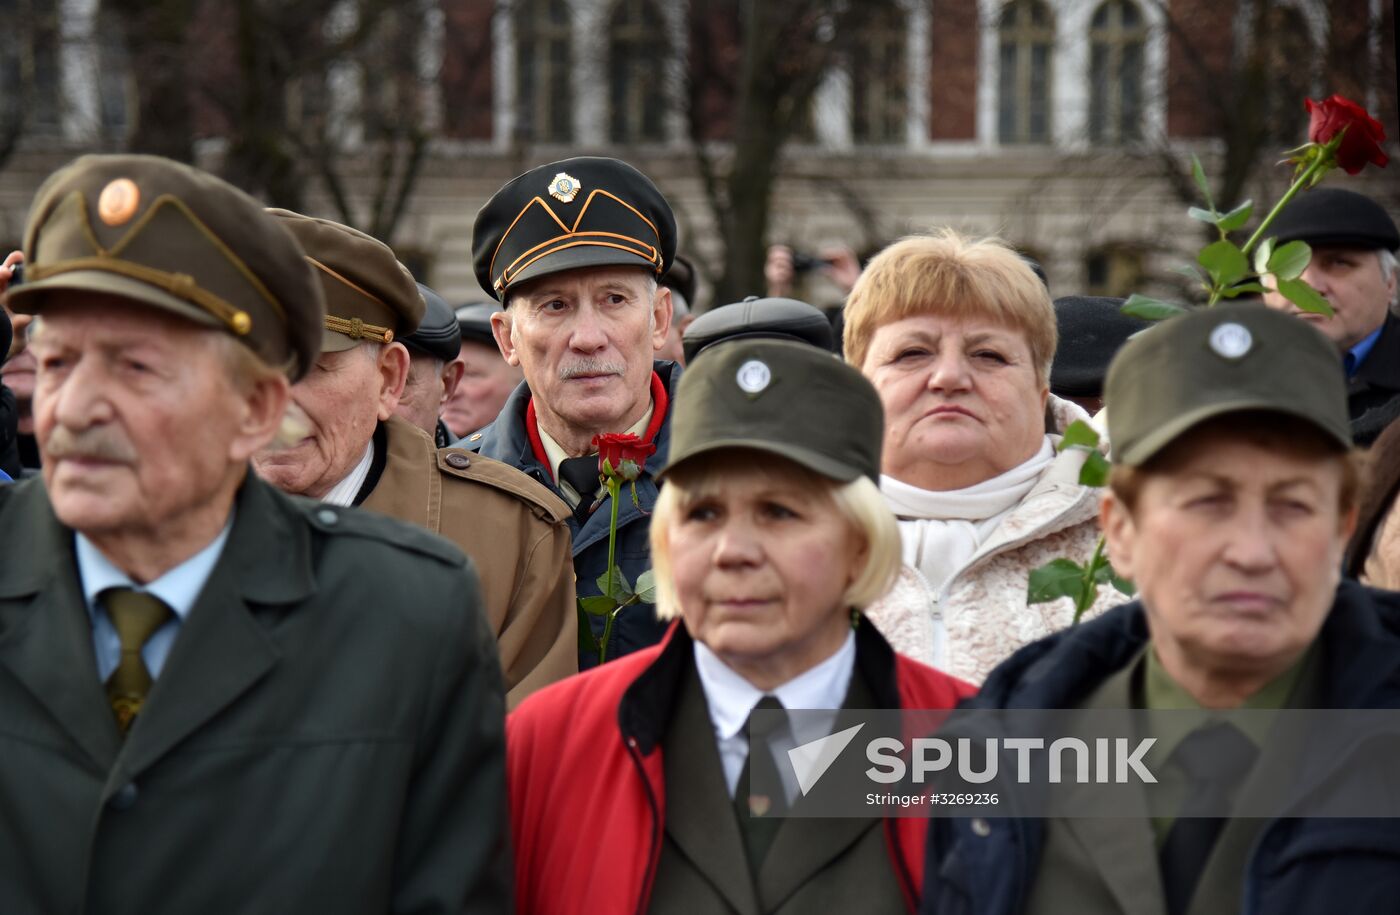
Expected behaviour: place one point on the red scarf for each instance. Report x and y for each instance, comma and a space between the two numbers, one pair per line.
659, 404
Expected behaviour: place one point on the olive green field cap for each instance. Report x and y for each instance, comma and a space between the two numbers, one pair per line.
1230, 359
370, 296
783, 397
166, 235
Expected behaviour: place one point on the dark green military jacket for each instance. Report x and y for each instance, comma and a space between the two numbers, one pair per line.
326, 734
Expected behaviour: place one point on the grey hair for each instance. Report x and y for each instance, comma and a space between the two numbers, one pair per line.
1386, 259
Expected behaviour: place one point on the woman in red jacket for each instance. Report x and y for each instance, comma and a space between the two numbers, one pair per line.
630, 784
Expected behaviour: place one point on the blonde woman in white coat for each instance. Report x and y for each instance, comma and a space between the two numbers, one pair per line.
957, 335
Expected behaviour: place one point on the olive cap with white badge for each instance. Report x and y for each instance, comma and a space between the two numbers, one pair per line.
783, 397
1230, 359
163, 234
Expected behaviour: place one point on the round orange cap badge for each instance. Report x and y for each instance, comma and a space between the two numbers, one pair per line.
118, 201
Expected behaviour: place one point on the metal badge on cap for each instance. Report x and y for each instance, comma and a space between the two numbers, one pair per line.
564, 187
1231, 340
118, 201
753, 376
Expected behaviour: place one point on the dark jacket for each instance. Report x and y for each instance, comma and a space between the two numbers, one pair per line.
1322, 866
507, 440
326, 734
1373, 393
587, 778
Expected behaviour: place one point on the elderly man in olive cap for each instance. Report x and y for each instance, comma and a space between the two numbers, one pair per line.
215, 696
357, 451
1353, 265
574, 250
1230, 503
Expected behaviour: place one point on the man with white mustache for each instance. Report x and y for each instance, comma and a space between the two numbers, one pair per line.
573, 251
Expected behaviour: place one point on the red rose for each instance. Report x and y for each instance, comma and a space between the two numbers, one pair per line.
615, 449
1361, 145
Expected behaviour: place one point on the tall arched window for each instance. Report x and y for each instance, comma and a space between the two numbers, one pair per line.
637, 59
1117, 41
879, 76
1026, 35
544, 110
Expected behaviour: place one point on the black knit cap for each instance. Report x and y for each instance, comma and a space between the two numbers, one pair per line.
1334, 216
438, 334
774, 318
474, 322
1091, 329
584, 212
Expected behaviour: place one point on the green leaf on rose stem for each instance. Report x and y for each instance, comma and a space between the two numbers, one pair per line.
621, 589
598, 605
1079, 433
1304, 296
1190, 271
1224, 261
1149, 309
1262, 255
1237, 217
1095, 470
1288, 262
1198, 174
1240, 289
1209, 216
646, 587
1056, 579
1122, 585
587, 642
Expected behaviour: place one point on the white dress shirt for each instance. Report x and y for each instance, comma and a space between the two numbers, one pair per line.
178, 588
731, 699
556, 454
344, 492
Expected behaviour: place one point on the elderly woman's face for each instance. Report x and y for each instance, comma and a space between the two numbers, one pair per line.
962, 402
760, 566
1235, 550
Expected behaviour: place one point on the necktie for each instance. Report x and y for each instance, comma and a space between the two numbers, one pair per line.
136, 616
1216, 759
759, 814
582, 474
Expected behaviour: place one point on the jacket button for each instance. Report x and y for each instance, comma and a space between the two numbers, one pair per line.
459, 460
981, 827
125, 798
326, 516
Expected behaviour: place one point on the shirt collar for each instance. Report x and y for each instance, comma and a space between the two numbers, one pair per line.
1358, 353
178, 587
344, 492
731, 698
556, 453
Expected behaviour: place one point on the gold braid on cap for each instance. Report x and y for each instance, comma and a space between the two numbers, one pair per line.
180, 285
355, 328
597, 239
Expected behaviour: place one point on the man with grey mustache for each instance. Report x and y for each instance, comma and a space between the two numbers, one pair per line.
573, 251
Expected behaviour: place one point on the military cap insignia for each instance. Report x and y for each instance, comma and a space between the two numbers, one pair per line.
118, 201
564, 187
1231, 340
753, 376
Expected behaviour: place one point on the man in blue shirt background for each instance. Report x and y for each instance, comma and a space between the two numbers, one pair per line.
1353, 266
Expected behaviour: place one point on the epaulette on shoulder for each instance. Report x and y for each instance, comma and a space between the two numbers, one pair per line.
343, 522
467, 465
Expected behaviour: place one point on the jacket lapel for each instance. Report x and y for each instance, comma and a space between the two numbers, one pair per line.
700, 816
222, 650
49, 649
410, 487
1122, 848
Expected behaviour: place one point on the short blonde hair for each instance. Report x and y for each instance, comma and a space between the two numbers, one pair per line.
954, 275
859, 502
